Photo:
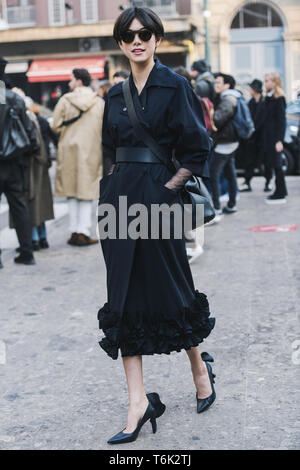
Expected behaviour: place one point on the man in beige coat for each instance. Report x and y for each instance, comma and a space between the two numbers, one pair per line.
78, 119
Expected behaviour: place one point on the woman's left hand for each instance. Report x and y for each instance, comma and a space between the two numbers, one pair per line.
279, 146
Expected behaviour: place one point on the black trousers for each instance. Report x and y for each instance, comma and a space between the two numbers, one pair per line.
273, 161
11, 184
252, 156
220, 162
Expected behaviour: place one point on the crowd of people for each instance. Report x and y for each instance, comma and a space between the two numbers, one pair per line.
76, 130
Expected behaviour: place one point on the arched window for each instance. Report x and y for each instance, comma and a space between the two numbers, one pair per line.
256, 15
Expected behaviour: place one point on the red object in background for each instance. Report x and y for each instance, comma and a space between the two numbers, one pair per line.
274, 228
60, 70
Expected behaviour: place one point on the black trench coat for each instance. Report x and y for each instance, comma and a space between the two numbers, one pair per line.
152, 304
273, 129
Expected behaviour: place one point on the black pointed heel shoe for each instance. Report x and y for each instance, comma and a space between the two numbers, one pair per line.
204, 403
122, 438
155, 401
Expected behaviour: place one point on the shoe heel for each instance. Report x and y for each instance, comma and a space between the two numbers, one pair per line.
160, 409
154, 425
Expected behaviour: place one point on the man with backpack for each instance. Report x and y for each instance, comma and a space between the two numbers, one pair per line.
17, 136
226, 142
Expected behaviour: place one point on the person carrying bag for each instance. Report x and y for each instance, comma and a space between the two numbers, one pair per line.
152, 304
17, 136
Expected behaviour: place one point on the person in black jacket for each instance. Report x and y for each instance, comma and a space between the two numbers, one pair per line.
11, 177
252, 148
273, 135
204, 79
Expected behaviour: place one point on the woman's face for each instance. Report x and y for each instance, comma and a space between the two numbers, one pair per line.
269, 84
139, 51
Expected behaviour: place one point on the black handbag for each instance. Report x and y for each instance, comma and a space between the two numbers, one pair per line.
14, 139
194, 191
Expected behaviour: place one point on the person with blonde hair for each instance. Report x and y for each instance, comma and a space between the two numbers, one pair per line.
273, 136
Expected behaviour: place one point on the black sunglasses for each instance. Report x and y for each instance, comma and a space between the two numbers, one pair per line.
129, 35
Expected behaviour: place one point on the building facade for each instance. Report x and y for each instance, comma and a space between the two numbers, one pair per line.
250, 38
44, 39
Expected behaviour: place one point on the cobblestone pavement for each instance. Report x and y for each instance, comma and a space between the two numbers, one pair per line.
59, 390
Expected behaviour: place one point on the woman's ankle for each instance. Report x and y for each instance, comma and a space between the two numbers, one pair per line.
201, 370
138, 402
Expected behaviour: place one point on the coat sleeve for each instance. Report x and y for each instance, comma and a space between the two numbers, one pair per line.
108, 145
192, 145
58, 116
223, 113
260, 116
28, 125
280, 119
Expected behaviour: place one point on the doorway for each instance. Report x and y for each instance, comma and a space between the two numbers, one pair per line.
256, 43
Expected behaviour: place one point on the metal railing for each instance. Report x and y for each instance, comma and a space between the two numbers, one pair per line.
21, 16
162, 7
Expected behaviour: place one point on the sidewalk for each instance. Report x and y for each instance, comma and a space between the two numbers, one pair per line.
59, 390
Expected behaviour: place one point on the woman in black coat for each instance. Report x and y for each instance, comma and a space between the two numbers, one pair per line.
273, 135
152, 306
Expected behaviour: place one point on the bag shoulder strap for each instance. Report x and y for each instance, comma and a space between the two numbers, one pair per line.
71, 121
140, 131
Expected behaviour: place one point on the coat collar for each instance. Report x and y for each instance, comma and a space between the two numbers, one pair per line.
160, 76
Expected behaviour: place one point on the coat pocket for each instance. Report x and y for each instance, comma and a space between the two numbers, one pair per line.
160, 193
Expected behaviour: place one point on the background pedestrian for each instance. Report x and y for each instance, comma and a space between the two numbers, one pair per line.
204, 79
273, 135
12, 168
120, 76
37, 185
77, 118
252, 149
226, 143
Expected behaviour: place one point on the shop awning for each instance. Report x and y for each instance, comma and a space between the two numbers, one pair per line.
16, 67
59, 70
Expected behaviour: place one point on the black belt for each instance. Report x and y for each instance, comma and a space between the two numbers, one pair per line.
136, 154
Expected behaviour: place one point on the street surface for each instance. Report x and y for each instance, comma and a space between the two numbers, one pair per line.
59, 390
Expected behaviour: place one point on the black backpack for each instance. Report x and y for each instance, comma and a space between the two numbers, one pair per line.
14, 140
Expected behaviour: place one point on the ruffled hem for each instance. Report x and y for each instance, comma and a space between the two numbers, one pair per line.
141, 335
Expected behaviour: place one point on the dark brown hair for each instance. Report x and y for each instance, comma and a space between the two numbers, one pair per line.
83, 75
183, 72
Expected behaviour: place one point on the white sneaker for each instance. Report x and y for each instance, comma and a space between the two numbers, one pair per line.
281, 200
194, 253
218, 217
224, 197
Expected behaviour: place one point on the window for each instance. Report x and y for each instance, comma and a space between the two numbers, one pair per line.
256, 15
89, 11
243, 57
57, 14
18, 13
272, 56
163, 7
